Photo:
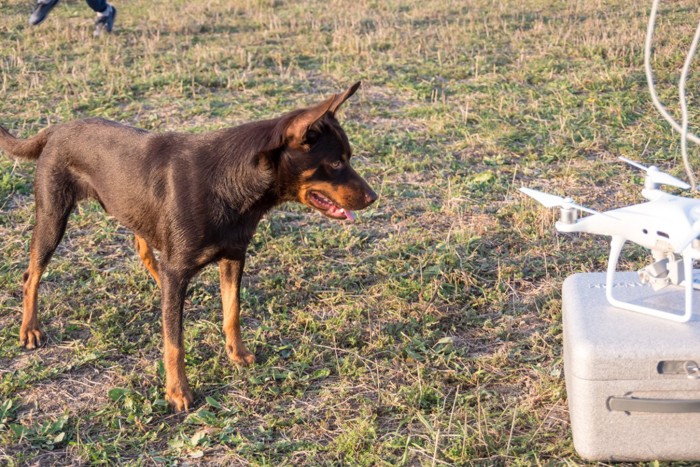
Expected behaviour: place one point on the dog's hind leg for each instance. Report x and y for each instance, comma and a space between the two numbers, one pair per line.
230, 272
147, 256
54, 202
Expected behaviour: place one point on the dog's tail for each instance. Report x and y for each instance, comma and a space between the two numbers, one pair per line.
29, 149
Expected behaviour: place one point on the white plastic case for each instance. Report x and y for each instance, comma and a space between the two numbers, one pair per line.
631, 379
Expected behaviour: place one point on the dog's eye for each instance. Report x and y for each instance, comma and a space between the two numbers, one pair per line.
337, 165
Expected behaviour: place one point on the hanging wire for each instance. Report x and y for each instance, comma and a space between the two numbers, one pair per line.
682, 129
684, 106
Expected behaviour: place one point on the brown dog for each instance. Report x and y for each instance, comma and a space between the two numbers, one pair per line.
196, 199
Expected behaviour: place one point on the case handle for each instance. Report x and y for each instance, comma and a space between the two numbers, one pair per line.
633, 404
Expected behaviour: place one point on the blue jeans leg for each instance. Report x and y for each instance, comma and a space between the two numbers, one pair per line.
97, 5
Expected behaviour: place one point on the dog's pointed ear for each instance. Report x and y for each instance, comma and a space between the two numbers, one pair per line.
297, 128
300, 124
338, 99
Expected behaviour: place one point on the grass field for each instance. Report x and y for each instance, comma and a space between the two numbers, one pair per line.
427, 333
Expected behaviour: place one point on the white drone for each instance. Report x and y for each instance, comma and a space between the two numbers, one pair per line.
667, 225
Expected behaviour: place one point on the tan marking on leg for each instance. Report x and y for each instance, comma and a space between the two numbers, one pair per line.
230, 272
177, 389
30, 336
146, 254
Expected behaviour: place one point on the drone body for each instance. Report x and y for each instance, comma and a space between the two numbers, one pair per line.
668, 225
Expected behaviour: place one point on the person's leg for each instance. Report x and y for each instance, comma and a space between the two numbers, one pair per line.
97, 6
41, 11
106, 14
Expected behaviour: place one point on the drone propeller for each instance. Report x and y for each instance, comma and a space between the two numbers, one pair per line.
552, 201
656, 176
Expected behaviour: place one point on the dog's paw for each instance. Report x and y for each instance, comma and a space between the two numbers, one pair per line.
179, 398
31, 338
240, 355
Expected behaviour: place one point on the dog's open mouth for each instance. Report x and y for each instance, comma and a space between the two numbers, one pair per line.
329, 208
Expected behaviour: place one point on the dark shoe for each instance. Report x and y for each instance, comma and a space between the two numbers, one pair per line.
41, 11
105, 20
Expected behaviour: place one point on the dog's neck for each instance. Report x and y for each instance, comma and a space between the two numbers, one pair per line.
245, 173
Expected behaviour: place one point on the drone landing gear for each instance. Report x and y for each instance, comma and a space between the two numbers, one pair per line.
653, 277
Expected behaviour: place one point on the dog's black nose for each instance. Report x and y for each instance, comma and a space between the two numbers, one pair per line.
370, 197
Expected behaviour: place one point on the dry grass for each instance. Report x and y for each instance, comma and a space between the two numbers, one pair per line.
427, 334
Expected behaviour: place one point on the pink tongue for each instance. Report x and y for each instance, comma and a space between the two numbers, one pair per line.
337, 211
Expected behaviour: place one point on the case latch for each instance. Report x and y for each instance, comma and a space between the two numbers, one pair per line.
692, 370
689, 368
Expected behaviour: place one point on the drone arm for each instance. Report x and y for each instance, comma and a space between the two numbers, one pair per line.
597, 224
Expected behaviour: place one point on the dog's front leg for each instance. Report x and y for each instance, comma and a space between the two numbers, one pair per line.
230, 272
177, 390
